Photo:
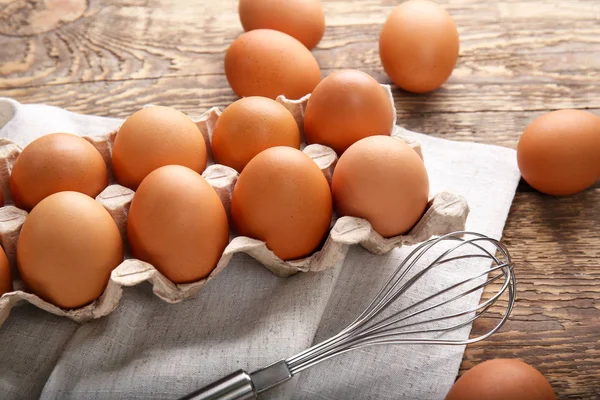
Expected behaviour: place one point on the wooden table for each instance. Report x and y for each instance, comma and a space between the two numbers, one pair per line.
518, 60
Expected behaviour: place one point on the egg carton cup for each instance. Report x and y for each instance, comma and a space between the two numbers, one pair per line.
445, 212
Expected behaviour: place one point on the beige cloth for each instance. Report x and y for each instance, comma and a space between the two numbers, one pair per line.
246, 317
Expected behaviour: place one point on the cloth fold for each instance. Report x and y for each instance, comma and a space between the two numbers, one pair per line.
246, 317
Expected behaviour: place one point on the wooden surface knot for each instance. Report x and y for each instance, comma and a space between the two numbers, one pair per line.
31, 17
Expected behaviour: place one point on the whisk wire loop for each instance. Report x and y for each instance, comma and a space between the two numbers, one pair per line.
371, 328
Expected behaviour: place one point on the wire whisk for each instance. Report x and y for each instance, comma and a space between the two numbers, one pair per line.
431, 320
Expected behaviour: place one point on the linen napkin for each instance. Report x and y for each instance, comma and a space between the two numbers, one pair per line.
246, 317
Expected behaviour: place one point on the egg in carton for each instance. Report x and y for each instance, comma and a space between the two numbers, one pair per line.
445, 212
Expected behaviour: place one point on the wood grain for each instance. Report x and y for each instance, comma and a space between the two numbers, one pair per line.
519, 59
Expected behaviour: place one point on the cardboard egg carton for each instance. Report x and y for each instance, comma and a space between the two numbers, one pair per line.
446, 212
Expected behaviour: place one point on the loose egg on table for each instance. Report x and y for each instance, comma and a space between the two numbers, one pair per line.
301, 19
178, 224
249, 126
5, 274
152, 138
345, 107
419, 46
283, 199
269, 63
55, 163
383, 180
502, 379
559, 152
68, 246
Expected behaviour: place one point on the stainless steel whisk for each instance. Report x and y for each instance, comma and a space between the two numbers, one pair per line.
408, 325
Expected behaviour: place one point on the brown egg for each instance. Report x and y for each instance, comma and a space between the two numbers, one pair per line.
301, 19
178, 224
249, 126
559, 153
283, 199
502, 379
5, 275
345, 107
419, 46
152, 138
268, 63
68, 246
55, 163
383, 180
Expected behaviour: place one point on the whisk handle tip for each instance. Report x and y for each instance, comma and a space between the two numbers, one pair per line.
236, 386
243, 386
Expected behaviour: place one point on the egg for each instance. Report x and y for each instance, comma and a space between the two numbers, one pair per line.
178, 224
419, 46
55, 163
559, 152
153, 137
383, 180
269, 63
282, 198
249, 126
345, 107
502, 379
5, 275
68, 246
301, 19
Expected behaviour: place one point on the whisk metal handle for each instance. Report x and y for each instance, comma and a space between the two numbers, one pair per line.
237, 386
243, 386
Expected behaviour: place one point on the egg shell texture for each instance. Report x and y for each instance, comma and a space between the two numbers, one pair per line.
153, 137
559, 152
5, 274
302, 19
249, 126
67, 248
178, 224
283, 199
502, 379
345, 107
383, 180
55, 163
419, 46
269, 63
